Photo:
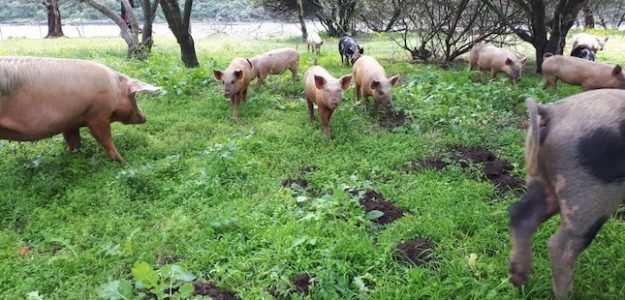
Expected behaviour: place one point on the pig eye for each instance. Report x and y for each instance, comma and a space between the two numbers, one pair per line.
232, 81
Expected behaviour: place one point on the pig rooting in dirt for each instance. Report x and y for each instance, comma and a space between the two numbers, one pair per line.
575, 160
370, 80
588, 74
235, 80
496, 60
42, 97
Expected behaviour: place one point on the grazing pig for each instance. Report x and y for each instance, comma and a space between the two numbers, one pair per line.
41, 97
490, 58
274, 62
584, 52
589, 75
593, 42
370, 80
314, 42
349, 50
235, 79
575, 159
325, 91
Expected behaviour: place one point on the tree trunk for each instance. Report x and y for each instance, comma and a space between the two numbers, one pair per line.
300, 15
589, 18
179, 25
130, 35
149, 12
55, 28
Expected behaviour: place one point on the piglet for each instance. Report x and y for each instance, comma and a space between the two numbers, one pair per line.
496, 60
575, 161
275, 62
235, 79
349, 50
325, 91
41, 97
370, 80
314, 42
588, 74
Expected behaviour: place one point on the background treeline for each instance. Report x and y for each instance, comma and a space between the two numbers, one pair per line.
34, 11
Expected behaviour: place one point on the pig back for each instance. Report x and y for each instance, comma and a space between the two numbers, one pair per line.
46, 95
366, 69
580, 128
275, 61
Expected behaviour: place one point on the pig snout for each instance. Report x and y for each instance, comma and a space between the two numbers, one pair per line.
334, 103
138, 117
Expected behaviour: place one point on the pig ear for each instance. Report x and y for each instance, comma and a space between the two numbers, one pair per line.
617, 71
374, 84
508, 61
394, 80
320, 82
346, 81
524, 60
217, 74
136, 86
238, 74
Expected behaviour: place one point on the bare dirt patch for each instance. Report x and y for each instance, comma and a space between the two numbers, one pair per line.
301, 285
417, 252
295, 183
495, 170
392, 119
372, 200
204, 288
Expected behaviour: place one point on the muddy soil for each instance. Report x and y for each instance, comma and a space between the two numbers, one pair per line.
392, 119
372, 200
417, 252
203, 288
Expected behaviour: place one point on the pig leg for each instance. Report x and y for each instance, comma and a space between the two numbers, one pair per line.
493, 74
72, 139
358, 92
579, 226
293, 68
536, 206
101, 131
260, 80
236, 99
311, 111
324, 115
551, 81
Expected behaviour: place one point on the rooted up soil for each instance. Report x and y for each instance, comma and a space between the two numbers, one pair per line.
301, 284
209, 289
372, 200
295, 183
393, 119
417, 252
495, 170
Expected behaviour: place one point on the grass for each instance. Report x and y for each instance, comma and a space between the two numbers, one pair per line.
202, 192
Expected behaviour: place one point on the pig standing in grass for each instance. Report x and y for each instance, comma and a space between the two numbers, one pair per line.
42, 97
370, 80
325, 91
349, 50
575, 159
496, 60
588, 74
585, 39
235, 79
314, 42
275, 62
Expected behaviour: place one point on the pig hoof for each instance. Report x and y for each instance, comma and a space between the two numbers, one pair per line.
518, 275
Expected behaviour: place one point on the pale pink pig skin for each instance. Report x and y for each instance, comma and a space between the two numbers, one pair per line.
496, 60
588, 74
41, 97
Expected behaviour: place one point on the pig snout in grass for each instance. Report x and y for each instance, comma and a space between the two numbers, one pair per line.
275, 62
593, 42
370, 80
588, 74
235, 80
35, 104
314, 42
325, 91
575, 160
349, 50
496, 60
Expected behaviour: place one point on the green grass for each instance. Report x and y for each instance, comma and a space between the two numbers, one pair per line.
204, 192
